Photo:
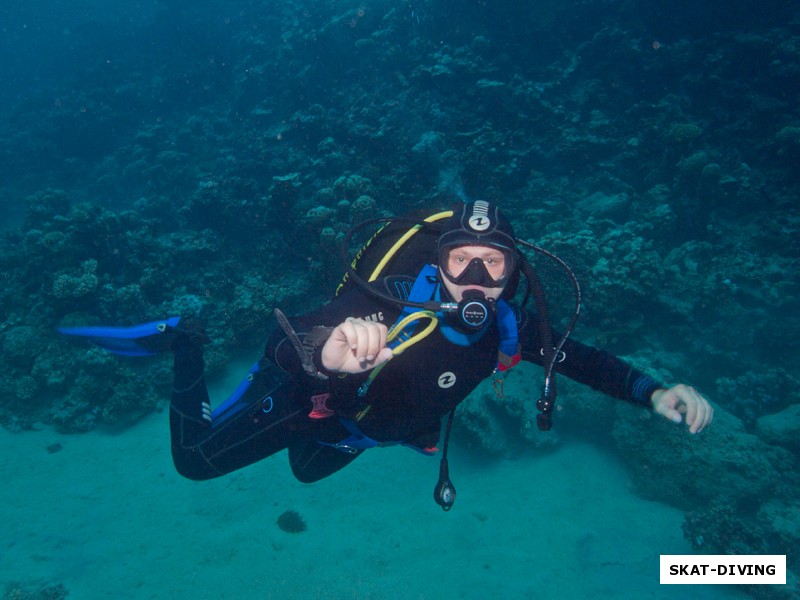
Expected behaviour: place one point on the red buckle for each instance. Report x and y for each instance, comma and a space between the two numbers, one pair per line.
319, 409
505, 362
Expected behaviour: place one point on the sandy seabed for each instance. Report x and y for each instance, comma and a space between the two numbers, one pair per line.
108, 517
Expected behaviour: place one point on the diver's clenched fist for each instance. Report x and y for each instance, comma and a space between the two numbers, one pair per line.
356, 346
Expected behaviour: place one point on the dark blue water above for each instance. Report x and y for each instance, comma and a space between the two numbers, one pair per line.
171, 157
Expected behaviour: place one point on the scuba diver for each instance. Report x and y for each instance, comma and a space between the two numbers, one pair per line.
389, 357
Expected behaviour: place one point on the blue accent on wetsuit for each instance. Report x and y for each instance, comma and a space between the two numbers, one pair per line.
643, 387
267, 413
359, 440
233, 404
507, 326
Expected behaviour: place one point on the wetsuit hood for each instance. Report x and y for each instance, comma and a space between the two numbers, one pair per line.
479, 223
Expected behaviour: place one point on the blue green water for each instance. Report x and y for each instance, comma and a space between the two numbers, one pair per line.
169, 157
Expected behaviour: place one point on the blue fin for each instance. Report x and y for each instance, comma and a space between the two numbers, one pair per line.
146, 339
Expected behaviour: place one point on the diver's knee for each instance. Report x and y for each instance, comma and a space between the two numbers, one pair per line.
304, 476
193, 470
312, 461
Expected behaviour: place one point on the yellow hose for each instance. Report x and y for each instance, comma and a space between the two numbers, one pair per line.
405, 237
399, 326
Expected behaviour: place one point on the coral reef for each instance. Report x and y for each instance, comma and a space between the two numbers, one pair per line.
739, 491
19, 591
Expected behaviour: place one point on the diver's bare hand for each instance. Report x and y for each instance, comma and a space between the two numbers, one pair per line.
683, 402
356, 346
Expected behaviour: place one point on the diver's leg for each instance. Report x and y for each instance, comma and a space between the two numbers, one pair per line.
264, 420
190, 408
312, 461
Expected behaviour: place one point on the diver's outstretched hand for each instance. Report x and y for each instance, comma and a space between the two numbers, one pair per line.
683, 402
356, 346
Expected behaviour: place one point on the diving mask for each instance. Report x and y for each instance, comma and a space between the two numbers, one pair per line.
484, 266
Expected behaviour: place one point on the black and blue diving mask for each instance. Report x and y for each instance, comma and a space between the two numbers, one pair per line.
487, 266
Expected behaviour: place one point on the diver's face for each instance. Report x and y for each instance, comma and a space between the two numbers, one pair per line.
458, 260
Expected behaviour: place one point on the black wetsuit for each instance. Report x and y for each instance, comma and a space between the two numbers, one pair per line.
407, 399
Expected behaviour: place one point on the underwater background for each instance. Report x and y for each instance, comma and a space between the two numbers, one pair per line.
170, 157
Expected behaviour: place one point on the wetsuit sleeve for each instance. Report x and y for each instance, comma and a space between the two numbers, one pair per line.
600, 370
343, 388
281, 351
